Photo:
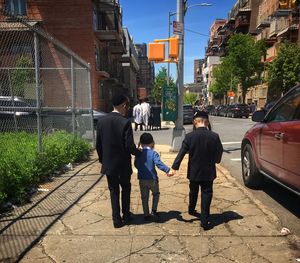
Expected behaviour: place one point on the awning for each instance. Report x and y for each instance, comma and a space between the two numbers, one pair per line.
15, 26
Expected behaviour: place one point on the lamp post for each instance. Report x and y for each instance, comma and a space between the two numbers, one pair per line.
179, 131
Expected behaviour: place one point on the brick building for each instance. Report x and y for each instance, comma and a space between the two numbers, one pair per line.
91, 29
198, 64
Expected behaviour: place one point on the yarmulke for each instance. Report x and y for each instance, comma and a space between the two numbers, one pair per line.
201, 114
119, 99
146, 138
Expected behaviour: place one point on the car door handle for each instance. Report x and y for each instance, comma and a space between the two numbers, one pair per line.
279, 135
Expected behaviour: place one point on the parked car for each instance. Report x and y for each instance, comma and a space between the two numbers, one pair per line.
238, 110
223, 110
188, 114
271, 147
209, 109
19, 114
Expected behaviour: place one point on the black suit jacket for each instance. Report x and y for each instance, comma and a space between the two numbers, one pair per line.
115, 144
205, 150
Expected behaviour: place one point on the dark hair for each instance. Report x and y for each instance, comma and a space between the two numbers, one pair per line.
146, 138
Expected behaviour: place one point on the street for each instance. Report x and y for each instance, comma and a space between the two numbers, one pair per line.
282, 202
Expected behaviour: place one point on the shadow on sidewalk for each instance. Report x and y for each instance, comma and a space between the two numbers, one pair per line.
215, 219
163, 218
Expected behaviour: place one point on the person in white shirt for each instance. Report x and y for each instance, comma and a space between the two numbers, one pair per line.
137, 115
145, 112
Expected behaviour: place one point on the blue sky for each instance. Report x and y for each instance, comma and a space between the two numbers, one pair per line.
147, 20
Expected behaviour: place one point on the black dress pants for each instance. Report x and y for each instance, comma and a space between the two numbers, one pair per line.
206, 197
114, 183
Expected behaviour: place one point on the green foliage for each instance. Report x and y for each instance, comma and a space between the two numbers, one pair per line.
244, 58
160, 81
284, 71
21, 166
189, 98
224, 79
20, 78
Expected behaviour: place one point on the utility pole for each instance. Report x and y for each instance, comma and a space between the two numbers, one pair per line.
169, 33
179, 131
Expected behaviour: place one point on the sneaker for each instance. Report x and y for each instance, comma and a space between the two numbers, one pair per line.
154, 213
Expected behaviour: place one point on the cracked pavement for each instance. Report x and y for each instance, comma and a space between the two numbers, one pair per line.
73, 224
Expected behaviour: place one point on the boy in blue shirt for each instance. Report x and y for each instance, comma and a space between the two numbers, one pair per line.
147, 175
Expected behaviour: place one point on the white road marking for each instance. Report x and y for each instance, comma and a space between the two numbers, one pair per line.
236, 159
225, 143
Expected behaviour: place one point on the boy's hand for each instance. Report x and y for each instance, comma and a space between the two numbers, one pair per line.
171, 173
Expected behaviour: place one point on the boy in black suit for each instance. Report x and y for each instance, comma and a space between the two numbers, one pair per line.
114, 146
205, 150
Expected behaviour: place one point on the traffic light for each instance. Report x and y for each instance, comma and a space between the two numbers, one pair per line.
173, 47
156, 52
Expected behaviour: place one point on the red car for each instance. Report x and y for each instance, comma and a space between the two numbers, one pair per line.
271, 147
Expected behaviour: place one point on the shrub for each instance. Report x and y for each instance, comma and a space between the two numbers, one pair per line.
21, 166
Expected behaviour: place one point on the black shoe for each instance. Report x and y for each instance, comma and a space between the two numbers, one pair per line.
206, 225
118, 224
155, 216
128, 218
193, 213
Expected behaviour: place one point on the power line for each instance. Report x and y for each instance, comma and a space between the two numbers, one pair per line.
195, 32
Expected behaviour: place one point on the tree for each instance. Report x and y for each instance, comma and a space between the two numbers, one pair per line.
190, 98
244, 57
159, 83
284, 71
224, 80
20, 78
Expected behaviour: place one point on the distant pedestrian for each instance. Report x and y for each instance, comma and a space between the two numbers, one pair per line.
252, 107
147, 175
205, 150
137, 116
114, 146
145, 113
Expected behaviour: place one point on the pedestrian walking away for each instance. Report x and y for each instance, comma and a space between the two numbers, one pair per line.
147, 175
137, 115
205, 150
145, 113
114, 146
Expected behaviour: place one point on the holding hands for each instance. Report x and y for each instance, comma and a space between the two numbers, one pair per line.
172, 172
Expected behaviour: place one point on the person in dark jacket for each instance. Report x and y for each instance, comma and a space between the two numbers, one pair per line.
205, 150
114, 145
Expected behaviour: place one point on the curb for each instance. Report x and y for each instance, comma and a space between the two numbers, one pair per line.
262, 207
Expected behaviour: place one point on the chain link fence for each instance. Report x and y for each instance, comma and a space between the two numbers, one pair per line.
44, 86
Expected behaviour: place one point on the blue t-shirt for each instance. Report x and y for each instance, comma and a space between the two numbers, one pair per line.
146, 162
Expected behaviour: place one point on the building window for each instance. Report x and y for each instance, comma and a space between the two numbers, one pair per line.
16, 7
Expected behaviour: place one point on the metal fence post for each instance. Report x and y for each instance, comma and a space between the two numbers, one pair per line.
38, 91
91, 104
73, 97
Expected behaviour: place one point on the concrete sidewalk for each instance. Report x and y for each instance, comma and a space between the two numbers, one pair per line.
244, 230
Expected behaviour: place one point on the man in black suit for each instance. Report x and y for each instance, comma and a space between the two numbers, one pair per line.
114, 146
205, 150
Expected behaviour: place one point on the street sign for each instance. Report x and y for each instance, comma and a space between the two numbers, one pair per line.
169, 103
177, 28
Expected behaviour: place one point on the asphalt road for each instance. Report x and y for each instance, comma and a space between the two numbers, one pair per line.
283, 203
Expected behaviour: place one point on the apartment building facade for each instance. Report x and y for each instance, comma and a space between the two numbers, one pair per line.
93, 30
198, 65
146, 74
273, 20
